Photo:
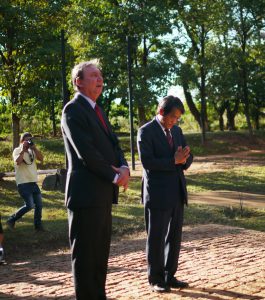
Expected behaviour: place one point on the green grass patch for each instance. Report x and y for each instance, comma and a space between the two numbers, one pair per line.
208, 214
54, 153
226, 142
258, 155
250, 179
217, 143
23, 239
128, 218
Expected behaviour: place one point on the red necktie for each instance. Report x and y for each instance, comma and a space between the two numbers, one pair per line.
169, 138
100, 116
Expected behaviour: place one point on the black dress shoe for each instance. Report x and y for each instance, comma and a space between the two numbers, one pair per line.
177, 284
160, 288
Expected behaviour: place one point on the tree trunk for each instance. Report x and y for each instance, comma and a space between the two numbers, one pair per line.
193, 109
15, 118
230, 119
244, 37
141, 103
256, 119
141, 114
231, 114
53, 119
221, 122
15, 129
231, 126
202, 89
220, 110
246, 100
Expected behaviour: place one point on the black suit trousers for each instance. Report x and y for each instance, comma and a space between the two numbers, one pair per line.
90, 235
164, 232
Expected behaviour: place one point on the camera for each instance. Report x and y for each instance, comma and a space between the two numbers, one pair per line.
30, 142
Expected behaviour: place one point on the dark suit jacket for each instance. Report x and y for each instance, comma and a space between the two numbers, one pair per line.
90, 152
163, 181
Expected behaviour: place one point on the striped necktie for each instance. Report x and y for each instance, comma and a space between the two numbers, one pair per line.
169, 138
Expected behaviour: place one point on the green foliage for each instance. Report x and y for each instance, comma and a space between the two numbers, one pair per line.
5, 118
202, 45
30, 57
103, 34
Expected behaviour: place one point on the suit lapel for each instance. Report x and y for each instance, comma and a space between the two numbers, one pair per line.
92, 112
176, 137
160, 134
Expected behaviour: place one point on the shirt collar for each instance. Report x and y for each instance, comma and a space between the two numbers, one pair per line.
91, 102
162, 127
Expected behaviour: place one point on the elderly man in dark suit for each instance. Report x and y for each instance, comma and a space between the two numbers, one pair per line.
164, 155
96, 168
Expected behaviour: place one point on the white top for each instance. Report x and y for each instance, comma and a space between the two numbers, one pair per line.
27, 170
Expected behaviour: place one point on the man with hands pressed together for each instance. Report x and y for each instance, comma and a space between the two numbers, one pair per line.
96, 170
26, 178
164, 156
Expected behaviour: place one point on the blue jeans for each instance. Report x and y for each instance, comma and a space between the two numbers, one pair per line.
31, 195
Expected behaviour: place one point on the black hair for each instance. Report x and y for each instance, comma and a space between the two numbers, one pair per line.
24, 135
170, 102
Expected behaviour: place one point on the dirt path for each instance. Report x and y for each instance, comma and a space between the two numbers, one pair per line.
219, 163
229, 198
213, 163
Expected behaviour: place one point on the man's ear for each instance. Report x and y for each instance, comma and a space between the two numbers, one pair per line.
78, 82
161, 111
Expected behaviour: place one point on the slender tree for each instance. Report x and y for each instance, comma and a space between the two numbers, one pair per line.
27, 39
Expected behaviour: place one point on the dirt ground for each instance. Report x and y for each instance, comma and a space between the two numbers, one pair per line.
215, 163
219, 163
219, 262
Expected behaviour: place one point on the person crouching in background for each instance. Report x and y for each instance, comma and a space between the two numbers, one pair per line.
26, 178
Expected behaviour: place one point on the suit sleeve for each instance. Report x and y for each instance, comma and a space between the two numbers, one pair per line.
190, 158
146, 145
76, 130
122, 160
